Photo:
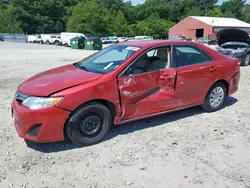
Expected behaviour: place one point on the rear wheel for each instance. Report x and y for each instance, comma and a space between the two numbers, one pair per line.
47, 42
89, 124
246, 60
57, 43
215, 97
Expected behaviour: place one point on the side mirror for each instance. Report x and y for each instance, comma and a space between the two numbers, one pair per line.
129, 72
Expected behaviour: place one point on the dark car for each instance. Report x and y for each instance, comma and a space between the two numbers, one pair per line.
234, 43
212, 42
1, 38
202, 40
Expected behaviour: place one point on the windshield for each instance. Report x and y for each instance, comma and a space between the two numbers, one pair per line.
107, 59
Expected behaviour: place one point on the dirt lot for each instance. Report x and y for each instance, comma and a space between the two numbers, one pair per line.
190, 148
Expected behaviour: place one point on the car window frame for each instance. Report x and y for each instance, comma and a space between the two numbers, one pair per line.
189, 45
121, 75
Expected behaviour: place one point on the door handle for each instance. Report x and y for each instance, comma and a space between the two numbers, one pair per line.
212, 69
166, 77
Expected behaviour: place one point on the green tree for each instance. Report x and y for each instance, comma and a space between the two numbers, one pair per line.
233, 8
119, 25
247, 13
89, 17
112, 5
7, 22
154, 26
35, 16
129, 12
215, 12
194, 11
205, 5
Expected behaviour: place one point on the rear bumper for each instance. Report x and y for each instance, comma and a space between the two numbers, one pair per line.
44, 125
234, 82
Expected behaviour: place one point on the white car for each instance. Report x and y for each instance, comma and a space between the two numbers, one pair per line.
66, 36
104, 40
32, 38
51, 39
122, 39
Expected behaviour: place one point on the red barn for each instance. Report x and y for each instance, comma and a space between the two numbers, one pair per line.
198, 26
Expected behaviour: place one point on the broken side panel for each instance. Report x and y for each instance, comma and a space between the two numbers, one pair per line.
147, 93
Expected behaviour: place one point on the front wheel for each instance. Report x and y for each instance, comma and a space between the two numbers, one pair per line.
215, 97
246, 60
89, 124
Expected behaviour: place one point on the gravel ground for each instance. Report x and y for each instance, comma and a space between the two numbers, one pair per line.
190, 148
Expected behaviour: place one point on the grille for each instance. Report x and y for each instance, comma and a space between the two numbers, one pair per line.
35, 130
21, 97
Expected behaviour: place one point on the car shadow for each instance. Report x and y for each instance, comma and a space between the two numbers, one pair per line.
127, 128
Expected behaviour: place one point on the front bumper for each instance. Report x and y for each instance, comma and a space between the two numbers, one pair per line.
43, 125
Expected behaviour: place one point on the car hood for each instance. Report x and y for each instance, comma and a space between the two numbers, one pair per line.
232, 35
57, 79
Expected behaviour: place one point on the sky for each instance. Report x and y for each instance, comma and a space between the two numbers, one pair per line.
135, 2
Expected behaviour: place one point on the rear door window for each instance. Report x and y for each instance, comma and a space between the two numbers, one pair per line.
190, 55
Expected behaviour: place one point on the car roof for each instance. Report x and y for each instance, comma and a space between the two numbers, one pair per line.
152, 43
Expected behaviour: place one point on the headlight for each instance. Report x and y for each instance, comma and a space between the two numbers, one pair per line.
35, 103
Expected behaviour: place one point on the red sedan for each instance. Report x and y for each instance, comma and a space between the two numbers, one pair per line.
122, 83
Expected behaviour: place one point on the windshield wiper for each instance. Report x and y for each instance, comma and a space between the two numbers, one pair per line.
82, 67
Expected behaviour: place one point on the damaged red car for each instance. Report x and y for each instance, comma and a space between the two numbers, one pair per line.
124, 82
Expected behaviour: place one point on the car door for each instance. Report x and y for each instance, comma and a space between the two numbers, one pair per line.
145, 92
196, 71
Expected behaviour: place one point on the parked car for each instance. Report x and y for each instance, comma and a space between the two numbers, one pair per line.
212, 42
143, 38
66, 36
39, 39
122, 83
234, 43
104, 40
51, 39
181, 38
1, 38
202, 40
32, 38
122, 39
113, 39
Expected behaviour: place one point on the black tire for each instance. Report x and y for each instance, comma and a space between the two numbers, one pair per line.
47, 42
246, 60
93, 115
208, 105
57, 43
